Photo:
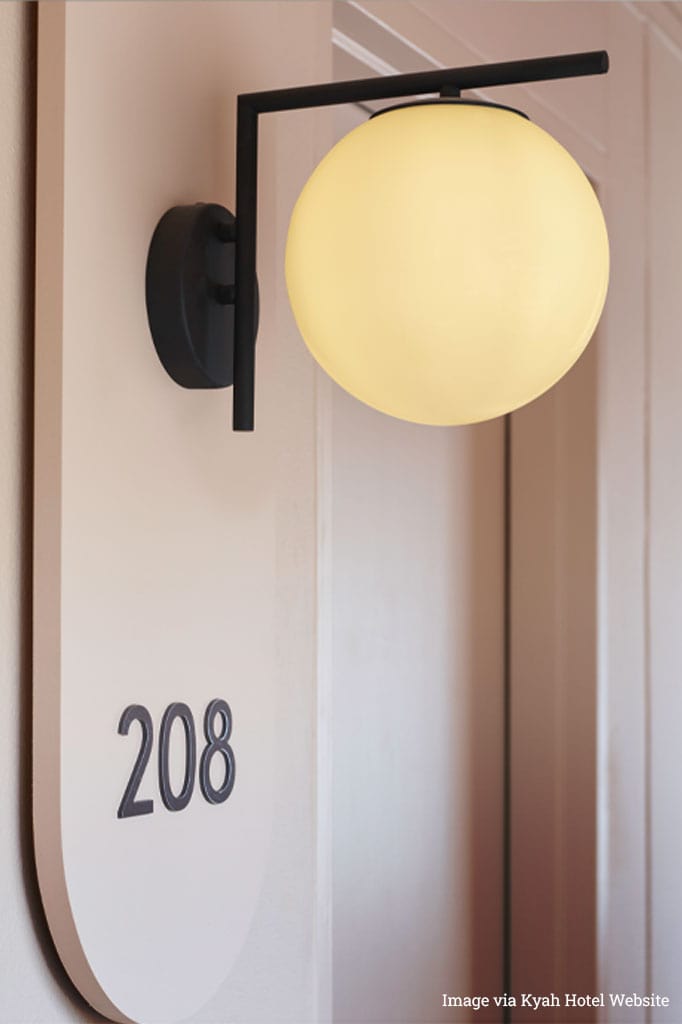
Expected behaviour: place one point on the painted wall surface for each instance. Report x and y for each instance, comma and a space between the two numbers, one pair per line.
417, 716
181, 146
175, 559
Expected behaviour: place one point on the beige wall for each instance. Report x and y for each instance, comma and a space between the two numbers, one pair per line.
207, 586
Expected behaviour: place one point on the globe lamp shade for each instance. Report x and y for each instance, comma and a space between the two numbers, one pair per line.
447, 261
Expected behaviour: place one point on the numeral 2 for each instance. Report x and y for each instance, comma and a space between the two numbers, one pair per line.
129, 806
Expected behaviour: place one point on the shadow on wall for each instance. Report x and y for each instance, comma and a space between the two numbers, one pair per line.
553, 698
417, 527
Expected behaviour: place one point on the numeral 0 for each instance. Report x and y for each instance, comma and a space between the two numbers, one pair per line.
216, 743
171, 801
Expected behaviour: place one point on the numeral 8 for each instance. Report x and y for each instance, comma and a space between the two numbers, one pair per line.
217, 744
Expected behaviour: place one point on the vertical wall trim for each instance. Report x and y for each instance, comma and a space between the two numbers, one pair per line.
507, 730
624, 652
324, 976
646, 552
47, 527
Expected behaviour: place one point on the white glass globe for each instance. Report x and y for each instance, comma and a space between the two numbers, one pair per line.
447, 261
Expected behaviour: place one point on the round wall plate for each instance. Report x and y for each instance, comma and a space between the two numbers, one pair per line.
190, 294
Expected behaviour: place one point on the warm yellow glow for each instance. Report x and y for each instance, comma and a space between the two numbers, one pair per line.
447, 263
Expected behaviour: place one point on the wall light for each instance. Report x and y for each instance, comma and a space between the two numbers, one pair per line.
446, 262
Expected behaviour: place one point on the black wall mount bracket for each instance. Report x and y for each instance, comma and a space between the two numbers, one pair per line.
201, 287
190, 290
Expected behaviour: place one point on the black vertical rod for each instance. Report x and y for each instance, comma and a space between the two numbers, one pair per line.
245, 267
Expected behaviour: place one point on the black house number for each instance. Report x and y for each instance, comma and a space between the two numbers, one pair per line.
217, 732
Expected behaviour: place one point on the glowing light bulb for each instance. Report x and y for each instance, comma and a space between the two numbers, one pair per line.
447, 261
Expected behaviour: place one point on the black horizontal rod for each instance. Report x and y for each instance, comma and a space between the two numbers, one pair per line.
480, 76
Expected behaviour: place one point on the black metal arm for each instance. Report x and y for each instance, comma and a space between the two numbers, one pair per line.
251, 105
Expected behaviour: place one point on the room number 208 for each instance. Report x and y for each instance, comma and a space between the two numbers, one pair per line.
217, 731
